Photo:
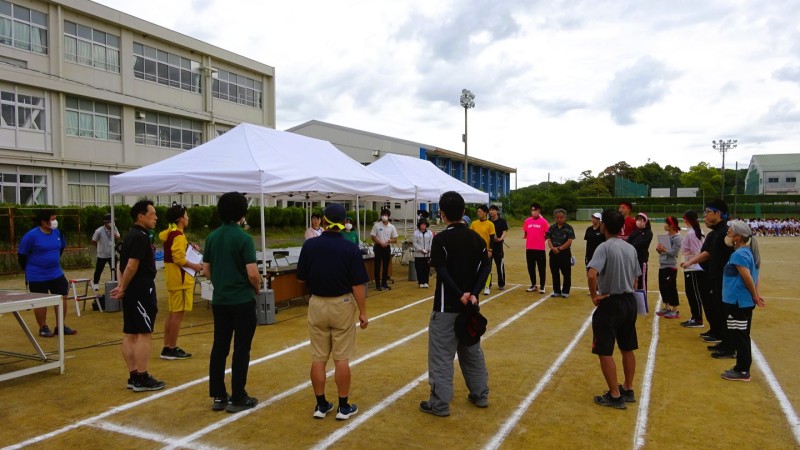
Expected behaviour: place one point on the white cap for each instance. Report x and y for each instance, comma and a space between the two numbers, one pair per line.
597, 216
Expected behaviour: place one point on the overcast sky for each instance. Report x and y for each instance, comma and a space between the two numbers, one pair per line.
561, 86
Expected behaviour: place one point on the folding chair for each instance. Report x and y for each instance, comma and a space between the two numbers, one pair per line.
74, 288
280, 254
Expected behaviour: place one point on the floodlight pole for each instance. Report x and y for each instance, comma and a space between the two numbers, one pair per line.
467, 102
723, 147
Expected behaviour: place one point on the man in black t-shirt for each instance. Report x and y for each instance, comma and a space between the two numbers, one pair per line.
462, 266
500, 230
137, 291
594, 236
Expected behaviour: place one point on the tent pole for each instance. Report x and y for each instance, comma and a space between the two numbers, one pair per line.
113, 244
263, 244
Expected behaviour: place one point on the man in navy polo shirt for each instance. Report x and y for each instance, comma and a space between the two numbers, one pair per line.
334, 271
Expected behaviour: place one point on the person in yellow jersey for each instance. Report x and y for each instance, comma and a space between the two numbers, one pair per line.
485, 229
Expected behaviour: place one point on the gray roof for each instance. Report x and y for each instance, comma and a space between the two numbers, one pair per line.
781, 162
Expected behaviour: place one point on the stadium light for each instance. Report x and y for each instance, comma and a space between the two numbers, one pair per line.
723, 147
467, 102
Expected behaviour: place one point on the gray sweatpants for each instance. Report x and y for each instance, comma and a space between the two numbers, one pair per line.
442, 348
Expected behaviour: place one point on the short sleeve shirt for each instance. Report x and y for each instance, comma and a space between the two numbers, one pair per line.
136, 245
384, 232
500, 226
617, 265
330, 265
484, 228
593, 238
734, 291
534, 230
559, 236
229, 250
44, 254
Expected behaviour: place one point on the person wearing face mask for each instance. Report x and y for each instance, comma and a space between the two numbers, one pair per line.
422, 240
349, 233
39, 256
315, 229
103, 238
668, 269
383, 235
740, 296
640, 239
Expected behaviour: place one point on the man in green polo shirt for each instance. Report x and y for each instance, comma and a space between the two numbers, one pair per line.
229, 261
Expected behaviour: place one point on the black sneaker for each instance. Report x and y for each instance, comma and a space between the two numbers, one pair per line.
735, 375
246, 402
220, 403
704, 334
174, 353
426, 408
321, 411
148, 384
67, 331
712, 339
724, 355
715, 347
480, 402
45, 332
607, 400
378, 288
131, 382
344, 412
386, 287
627, 394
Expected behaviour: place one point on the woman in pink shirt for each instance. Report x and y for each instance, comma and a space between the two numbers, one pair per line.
533, 231
694, 276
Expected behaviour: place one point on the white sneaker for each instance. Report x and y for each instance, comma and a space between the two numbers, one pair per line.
531, 289
421, 285
486, 291
426, 285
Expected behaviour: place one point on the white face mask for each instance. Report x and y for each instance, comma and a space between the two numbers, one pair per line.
53, 224
729, 241
348, 226
384, 218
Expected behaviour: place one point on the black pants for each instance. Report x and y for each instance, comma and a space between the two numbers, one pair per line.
536, 260
501, 268
738, 323
423, 268
695, 283
668, 285
99, 266
236, 322
715, 312
561, 265
383, 257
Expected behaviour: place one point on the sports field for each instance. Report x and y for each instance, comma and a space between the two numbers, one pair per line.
542, 377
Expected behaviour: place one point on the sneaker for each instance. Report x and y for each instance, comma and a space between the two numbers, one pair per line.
715, 348
532, 288
607, 400
426, 408
735, 375
45, 332
378, 288
386, 287
321, 411
427, 285
541, 291
220, 403
131, 382
486, 291
67, 331
344, 412
565, 294
662, 312
148, 384
674, 314
174, 353
422, 285
704, 334
691, 323
724, 355
246, 402
712, 339
502, 288
555, 294
480, 402
627, 394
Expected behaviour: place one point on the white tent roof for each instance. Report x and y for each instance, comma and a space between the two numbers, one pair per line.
430, 182
254, 160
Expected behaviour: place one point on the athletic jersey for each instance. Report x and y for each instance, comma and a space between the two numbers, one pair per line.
44, 254
535, 230
734, 291
485, 229
617, 265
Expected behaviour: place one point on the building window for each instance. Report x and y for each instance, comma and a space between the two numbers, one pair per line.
772, 180
23, 188
87, 118
23, 28
163, 130
237, 89
87, 187
791, 179
90, 47
165, 68
21, 111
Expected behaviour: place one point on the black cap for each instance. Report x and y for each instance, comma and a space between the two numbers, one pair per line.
470, 325
335, 213
107, 218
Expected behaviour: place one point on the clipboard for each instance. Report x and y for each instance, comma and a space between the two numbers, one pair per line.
193, 256
665, 241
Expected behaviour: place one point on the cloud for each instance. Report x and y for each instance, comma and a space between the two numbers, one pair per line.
559, 106
643, 84
788, 73
781, 112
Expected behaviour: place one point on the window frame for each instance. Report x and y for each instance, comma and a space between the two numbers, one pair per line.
156, 66
35, 21
93, 40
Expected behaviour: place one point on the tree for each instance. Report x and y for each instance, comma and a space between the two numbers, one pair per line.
704, 177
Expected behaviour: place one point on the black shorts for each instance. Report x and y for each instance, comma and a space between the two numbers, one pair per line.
614, 320
139, 309
55, 286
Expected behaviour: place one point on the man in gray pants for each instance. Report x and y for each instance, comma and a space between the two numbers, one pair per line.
462, 266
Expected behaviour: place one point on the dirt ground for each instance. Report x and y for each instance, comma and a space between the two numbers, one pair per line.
542, 377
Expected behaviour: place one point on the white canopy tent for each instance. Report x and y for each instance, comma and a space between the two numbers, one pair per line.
258, 160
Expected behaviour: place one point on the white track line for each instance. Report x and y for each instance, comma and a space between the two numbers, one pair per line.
786, 405
642, 416
216, 425
118, 409
361, 418
512, 421
137, 433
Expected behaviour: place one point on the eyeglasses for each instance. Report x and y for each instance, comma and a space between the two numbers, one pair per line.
709, 211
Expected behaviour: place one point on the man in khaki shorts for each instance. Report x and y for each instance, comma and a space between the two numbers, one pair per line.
334, 271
